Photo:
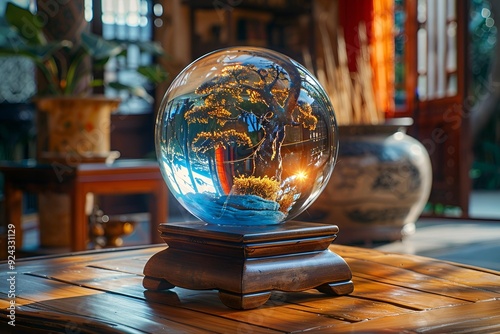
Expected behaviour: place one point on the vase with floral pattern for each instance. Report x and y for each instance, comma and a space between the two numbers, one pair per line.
74, 129
381, 184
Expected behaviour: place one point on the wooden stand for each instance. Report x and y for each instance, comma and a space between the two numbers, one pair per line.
247, 263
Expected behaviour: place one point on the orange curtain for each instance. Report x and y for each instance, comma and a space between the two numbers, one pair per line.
382, 54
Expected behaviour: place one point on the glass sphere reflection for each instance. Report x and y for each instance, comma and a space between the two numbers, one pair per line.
246, 136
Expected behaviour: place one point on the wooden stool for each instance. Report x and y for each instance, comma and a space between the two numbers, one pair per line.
121, 177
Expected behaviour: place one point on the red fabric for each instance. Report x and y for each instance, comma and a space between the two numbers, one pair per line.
351, 13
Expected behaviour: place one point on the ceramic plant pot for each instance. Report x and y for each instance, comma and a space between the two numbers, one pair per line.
380, 184
74, 129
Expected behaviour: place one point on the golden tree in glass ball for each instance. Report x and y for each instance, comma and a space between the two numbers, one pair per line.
246, 136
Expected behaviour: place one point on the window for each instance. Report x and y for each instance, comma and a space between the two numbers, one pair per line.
18, 74
127, 20
400, 38
436, 49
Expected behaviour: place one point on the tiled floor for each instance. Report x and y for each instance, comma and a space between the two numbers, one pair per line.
485, 204
475, 242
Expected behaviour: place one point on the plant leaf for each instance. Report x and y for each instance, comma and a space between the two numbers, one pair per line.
97, 83
149, 47
133, 90
154, 73
26, 24
17, 47
100, 48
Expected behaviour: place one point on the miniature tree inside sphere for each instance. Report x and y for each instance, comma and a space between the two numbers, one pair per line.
246, 136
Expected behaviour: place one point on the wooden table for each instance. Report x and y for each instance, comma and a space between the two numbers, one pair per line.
121, 177
101, 292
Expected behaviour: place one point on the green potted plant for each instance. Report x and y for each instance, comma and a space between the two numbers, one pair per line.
73, 124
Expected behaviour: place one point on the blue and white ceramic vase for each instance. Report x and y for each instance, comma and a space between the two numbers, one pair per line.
381, 184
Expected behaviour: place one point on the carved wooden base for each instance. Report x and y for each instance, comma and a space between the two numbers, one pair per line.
245, 264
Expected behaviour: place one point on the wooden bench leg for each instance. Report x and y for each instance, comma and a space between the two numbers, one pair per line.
79, 224
13, 210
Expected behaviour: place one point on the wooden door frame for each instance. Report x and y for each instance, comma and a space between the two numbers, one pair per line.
443, 124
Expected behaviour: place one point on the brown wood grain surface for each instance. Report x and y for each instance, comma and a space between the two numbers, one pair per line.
102, 292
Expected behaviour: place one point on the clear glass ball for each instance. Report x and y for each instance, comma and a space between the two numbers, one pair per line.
246, 136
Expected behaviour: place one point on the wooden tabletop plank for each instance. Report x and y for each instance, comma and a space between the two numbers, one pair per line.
275, 314
473, 317
105, 308
399, 295
463, 274
5, 300
290, 312
133, 266
411, 279
119, 283
81, 275
43, 294
345, 308
32, 320
87, 257
29, 289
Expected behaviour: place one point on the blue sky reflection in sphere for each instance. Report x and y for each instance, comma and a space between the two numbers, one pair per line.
246, 136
